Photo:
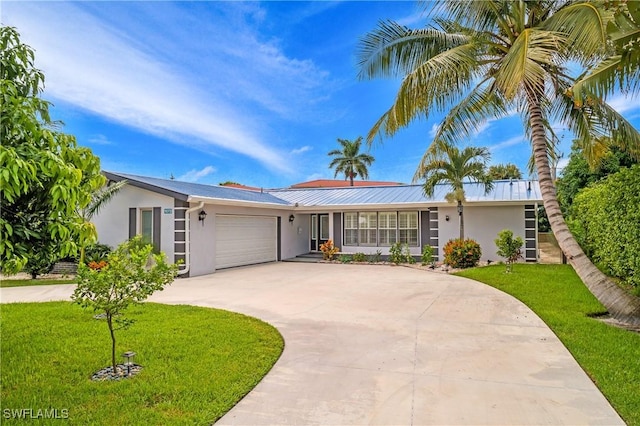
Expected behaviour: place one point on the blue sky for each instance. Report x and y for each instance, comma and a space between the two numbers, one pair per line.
252, 92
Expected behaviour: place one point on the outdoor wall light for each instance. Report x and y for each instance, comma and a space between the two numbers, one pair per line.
291, 219
446, 218
202, 216
128, 360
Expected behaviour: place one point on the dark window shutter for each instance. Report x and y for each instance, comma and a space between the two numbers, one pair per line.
132, 222
157, 217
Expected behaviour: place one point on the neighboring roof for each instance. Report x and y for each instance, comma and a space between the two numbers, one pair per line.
333, 183
503, 191
187, 191
240, 186
515, 191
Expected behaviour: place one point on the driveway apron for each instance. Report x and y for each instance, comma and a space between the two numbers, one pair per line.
371, 344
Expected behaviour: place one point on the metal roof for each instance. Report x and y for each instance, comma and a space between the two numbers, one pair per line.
187, 191
503, 191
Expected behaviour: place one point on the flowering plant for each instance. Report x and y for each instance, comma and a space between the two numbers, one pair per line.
328, 250
97, 265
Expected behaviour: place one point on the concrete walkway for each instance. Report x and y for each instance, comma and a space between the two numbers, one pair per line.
391, 345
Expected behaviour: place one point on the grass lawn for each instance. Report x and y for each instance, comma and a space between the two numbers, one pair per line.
23, 283
197, 363
611, 356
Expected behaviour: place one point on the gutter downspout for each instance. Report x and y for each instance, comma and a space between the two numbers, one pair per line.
187, 237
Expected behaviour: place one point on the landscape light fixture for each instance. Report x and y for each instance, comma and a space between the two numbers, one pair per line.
446, 218
291, 219
202, 216
128, 360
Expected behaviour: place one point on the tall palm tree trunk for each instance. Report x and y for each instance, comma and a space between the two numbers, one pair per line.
620, 304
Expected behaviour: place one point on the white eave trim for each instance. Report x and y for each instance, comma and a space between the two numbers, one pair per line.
238, 203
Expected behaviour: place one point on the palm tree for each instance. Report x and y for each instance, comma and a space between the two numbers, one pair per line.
447, 164
486, 58
505, 171
621, 67
349, 160
89, 235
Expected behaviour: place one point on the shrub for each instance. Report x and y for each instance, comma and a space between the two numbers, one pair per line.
96, 252
344, 258
359, 257
395, 253
462, 253
406, 253
509, 247
376, 257
427, 255
606, 218
329, 250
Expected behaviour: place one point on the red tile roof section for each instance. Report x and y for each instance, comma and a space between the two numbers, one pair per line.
240, 186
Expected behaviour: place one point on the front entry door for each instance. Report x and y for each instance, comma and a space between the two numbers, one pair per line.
319, 230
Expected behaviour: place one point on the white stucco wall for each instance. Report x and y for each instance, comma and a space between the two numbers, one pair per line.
294, 237
481, 224
112, 222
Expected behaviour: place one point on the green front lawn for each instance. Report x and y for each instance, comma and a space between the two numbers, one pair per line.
197, 363
610, 355
24, 283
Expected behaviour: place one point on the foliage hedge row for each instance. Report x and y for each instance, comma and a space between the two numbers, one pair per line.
606, 222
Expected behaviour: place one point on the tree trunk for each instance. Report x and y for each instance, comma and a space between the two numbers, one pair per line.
351, 177
621, 305
461, 219
113, 343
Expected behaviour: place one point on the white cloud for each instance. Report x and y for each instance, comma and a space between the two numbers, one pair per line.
301, 150
434, 130
99, 140
196, 98
507, 143
622, 103
196, 175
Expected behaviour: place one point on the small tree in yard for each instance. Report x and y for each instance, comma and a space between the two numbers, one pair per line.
509, 247
130, 274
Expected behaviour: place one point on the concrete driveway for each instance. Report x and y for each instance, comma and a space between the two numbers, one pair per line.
391, 345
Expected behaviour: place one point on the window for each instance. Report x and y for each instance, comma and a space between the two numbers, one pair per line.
408, 228
387, 228
381, 228
367, 229
351, 229
146, 225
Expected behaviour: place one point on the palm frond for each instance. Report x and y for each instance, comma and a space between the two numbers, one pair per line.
436, 83
393, 49
101, 198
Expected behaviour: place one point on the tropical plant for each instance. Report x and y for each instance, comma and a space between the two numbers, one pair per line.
427, 255
504, 171
44, 174
130, 274
98, 199
620, 67
359, 257
608, 219
446, 164
349, 160
509, 247
488, 58
578, 173
460, 253
329, 250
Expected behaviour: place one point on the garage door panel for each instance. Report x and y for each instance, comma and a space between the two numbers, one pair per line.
245, 240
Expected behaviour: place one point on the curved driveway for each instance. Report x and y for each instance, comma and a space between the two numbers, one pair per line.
367, 344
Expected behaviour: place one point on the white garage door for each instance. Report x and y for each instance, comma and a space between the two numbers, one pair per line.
245, 240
